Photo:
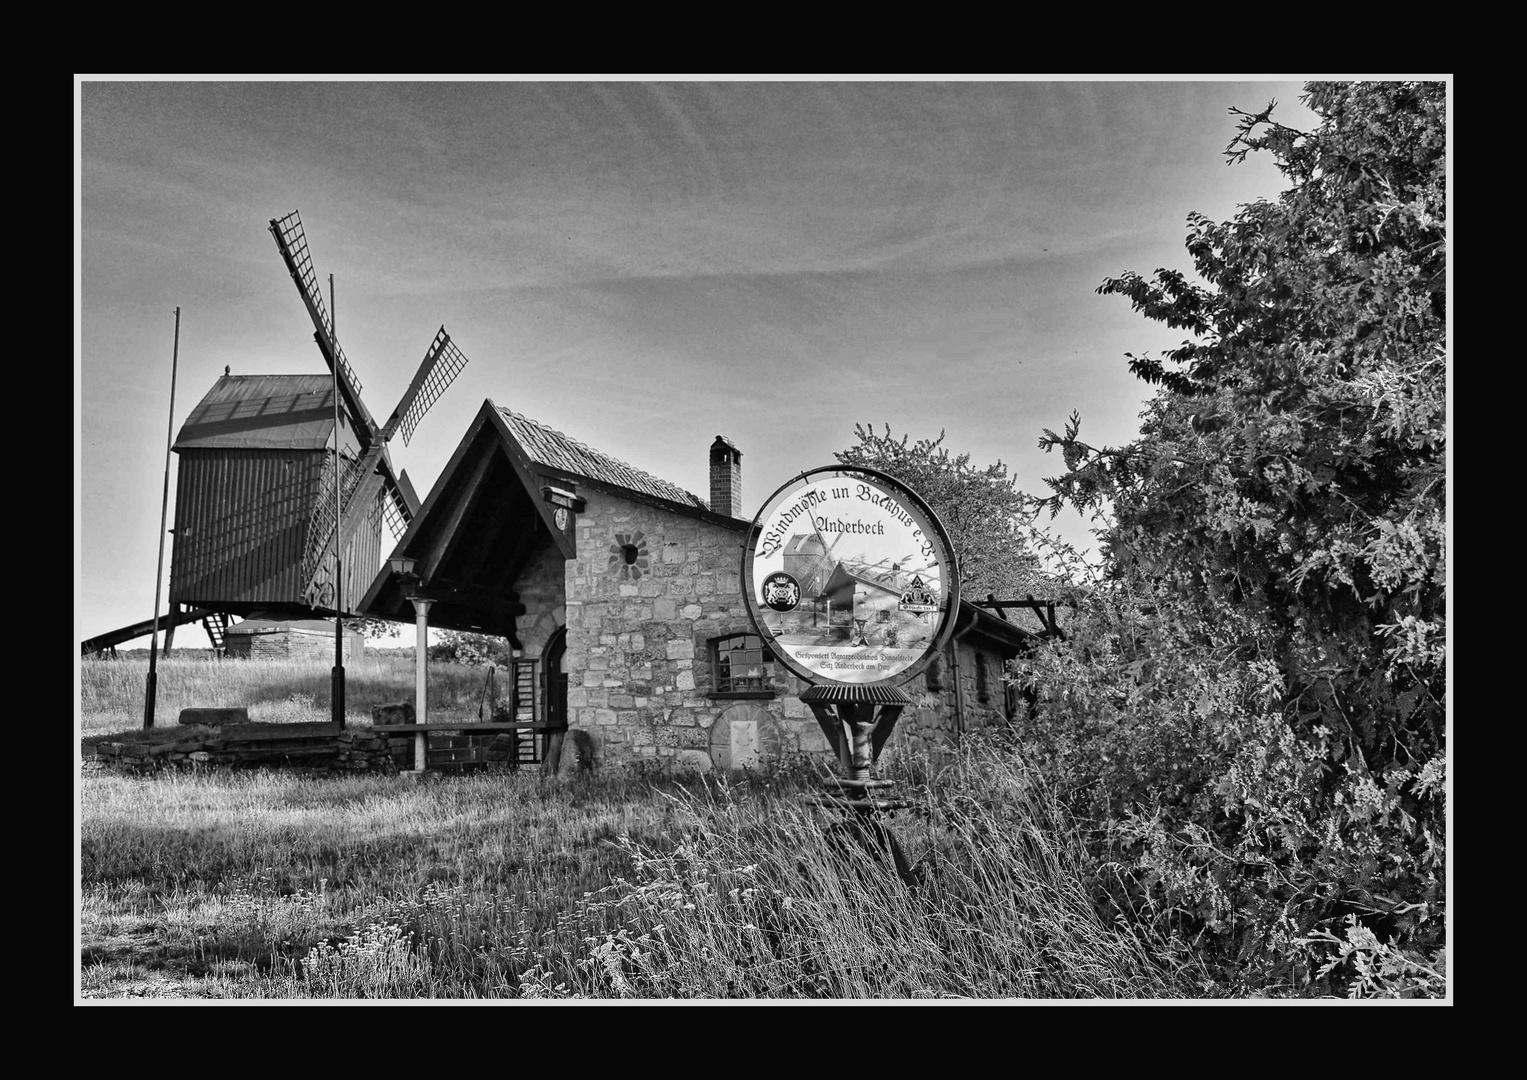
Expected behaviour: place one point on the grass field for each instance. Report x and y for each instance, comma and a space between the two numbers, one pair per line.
264, 884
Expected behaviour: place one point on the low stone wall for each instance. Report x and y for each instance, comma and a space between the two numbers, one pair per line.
320, 746
313, 746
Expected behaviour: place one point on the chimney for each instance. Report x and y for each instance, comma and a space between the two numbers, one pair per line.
725, 478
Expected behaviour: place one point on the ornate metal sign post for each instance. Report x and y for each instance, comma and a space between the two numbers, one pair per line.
851, 580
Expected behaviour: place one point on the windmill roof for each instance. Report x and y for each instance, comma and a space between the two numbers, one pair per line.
554, 450
262, 412
805, 544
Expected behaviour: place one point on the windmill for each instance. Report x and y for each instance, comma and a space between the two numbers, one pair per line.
256, 510
366, 484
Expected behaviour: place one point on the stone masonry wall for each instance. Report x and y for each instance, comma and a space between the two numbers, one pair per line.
637, 633
357, 749
927, 727
352, 750
542, 589
291, 645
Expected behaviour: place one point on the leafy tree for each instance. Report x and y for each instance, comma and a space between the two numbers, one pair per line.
1275, 542
985, 515
376, 628
460, 647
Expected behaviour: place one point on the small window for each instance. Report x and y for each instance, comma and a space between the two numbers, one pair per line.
741, 664
934, 676
983, 680
882, 615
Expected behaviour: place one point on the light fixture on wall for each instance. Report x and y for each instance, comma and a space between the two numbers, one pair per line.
404, 567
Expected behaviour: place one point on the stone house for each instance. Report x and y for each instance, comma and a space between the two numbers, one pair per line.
620, 594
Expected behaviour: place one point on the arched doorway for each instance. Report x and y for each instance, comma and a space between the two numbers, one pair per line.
554, 693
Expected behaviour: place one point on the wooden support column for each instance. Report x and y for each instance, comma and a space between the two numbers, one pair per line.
421, 681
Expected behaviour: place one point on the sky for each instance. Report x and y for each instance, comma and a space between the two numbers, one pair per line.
640, 265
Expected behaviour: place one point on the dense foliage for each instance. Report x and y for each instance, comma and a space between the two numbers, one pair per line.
1251, 704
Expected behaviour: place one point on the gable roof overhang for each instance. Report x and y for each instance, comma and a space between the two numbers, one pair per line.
977, 625
481, 524
488, 515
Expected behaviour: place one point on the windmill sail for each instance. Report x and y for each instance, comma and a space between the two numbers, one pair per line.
293, 245
368, 495
364, 480
396, 513
442, 363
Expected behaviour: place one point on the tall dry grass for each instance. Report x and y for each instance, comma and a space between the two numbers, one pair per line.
277, 691
795, 902
510, 885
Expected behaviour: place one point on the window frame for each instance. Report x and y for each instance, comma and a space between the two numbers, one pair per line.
982, 678
713, 654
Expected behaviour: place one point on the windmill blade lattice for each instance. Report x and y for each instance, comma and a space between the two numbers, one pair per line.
443, 362
394, 514
369, 496
293, 243
320, 538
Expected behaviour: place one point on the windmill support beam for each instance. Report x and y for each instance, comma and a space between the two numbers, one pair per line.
102, 642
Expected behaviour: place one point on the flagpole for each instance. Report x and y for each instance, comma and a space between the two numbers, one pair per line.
337, 682
164, 511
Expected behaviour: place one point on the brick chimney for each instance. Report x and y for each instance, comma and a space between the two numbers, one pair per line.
725, 478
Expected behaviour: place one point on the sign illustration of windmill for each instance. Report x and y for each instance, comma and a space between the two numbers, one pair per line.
257, 514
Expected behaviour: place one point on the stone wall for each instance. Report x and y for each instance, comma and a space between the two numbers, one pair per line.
542, 589
303, 745
287, 644
928, 726
646, 593
256, 745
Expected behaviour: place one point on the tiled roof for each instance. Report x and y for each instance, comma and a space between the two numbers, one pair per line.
551, 448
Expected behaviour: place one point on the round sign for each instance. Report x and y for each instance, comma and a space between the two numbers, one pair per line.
850, 578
